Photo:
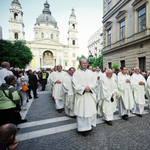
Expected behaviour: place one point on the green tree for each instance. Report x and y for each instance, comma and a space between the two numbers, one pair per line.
115, 66
16, 53
99, 62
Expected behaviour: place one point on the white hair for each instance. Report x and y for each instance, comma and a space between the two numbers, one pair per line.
108, 70
135, 68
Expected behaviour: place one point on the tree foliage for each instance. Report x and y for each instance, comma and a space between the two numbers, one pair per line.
115, 66
94, 62
16, 53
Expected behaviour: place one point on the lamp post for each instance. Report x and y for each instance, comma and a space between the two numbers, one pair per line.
90, 56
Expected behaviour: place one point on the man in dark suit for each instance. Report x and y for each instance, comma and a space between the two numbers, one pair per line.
32, 84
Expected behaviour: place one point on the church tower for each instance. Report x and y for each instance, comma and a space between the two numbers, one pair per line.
16, 31
73, 32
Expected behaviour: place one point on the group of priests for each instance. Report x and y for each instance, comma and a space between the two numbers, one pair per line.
83, 93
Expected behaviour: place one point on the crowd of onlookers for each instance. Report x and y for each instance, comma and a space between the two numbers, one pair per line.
15, 92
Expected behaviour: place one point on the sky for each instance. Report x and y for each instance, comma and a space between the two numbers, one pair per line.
89, 15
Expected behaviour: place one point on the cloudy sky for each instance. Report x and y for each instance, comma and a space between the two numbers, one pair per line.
88, 12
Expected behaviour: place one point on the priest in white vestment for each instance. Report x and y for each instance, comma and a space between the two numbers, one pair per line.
57, 88
126, 101
84, 83
50, 80
148, 91
68, 93
98, 75
139, 85
108, 97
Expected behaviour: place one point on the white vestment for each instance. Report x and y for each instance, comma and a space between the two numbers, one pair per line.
85, 102
148, 91
98, 74
58, 89
138, 93
50, 81
68, 95
126, 101
114, 76
106, 108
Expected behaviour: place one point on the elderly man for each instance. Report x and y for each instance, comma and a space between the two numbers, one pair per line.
84, 83
126, 101
58, 89
139, 85
7, 137
68, 93
108, 97
4, 71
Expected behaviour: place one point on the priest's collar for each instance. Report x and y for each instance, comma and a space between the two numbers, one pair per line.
83, 69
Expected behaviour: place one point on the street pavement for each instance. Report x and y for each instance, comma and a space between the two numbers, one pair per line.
46, 129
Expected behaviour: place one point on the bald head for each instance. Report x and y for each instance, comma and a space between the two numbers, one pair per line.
83, 63
6, 132
6, 65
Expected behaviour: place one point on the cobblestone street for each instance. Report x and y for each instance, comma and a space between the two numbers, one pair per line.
47, 129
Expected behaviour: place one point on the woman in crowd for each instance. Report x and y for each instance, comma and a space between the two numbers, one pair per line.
90, 67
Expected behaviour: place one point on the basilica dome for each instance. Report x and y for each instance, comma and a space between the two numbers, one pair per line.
46, 16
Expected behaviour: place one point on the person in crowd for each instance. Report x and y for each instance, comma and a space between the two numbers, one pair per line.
126, 101
8, 137
4, 71
43, 78
104, 73
22, 79
148, 91
68, 95
34, 73
146, 75
109, 95
9, 102
32, 84
90, 67
99, 76
58, 89
84, 83
50, 80
139, 85
114, 74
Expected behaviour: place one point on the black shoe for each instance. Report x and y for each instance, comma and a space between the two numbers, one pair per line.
125, 117
36, 97
60, 110
83, 133
23, 121
109, 123
27, 100
30, 97
139, 115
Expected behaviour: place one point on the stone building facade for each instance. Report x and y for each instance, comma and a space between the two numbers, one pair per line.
126, 33
95, 43
46, 47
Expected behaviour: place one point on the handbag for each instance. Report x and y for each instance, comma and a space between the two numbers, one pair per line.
24, 86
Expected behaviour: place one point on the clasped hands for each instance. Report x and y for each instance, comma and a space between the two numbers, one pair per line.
58, 82
141, 83
127, 81
87, 89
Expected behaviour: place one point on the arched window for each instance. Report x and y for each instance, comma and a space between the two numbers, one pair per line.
51, 36
15, 16
16, 36
73, 42
42, 35
73, 26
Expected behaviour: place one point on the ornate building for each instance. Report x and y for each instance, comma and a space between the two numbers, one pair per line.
46, 48
126, 33
95, 43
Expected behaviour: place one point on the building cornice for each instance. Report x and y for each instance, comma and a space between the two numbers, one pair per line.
127, 44
114, 10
